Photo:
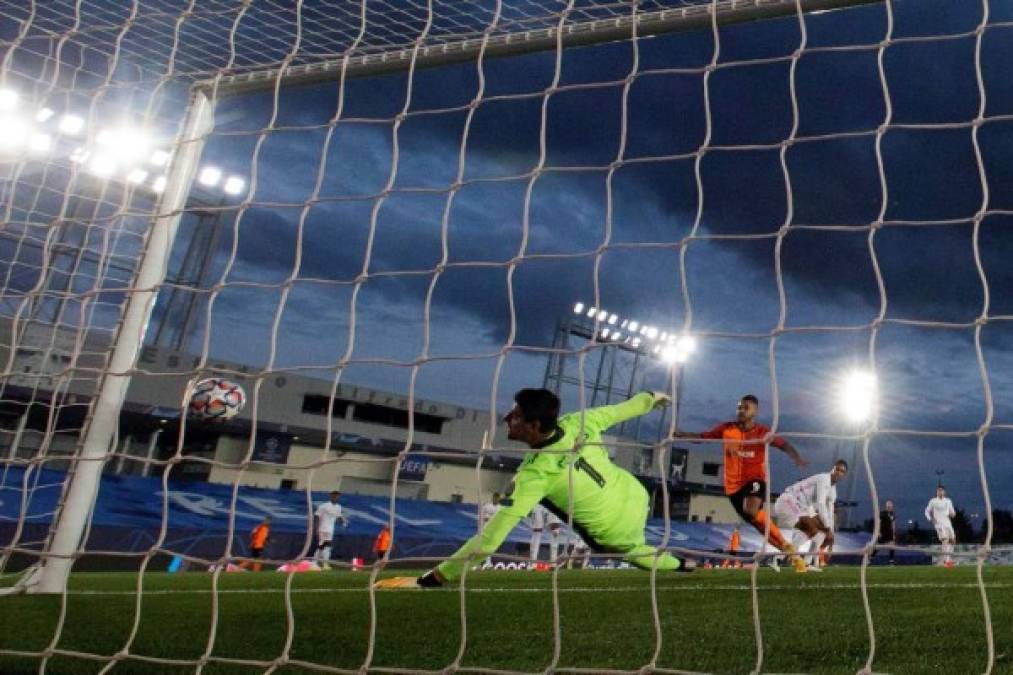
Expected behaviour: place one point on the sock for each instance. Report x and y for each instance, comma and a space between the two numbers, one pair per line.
775, 537
817, 542
644, 558
536, 544
554, 547
799, 539
325, 553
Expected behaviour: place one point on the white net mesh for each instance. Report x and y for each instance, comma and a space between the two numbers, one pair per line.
373, 215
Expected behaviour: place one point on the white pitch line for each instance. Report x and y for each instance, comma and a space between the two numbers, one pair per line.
576, 589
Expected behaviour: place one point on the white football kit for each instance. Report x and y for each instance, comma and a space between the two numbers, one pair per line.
327, 514
939, 511
813, 496
488, 511
538, 520
541, 518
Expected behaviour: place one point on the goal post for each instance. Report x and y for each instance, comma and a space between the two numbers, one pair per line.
99, 436
698, 15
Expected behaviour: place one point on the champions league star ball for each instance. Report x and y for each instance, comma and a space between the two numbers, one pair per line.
215, 399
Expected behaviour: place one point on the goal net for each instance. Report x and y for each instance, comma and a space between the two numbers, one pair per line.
371, 222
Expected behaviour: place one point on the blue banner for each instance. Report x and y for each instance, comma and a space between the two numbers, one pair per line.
146, 504
271, 447
414, 468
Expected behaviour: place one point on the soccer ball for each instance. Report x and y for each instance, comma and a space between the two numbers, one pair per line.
215, 399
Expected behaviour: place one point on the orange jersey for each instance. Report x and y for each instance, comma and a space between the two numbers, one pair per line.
745, 453
382, 542
733, 543
259, 536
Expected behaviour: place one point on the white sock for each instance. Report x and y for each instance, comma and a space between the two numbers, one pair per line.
817, 541
536, 544
799, 540
554, 547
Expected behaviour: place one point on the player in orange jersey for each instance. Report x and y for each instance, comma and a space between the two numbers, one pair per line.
258, 540
734, 543
745, 453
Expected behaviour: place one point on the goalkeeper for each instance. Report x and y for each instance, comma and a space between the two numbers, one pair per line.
568, 463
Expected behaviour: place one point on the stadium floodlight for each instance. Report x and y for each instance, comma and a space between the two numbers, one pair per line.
71, 125
12, 132
634, 326
652, 332
625, 323
577, 309
158, 185
40, 142
79, 155
159, 158
591, 312
209, 176
102, 165
613, 319
43, 115
137, 176
686, 344
670, 355
124, 143
602, 315
663, 336
605, 333
8, 99
858, 395
617, 336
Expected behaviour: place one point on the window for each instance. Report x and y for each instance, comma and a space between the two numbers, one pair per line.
287, 484
315, 404
395, 417
711, 468
694, 518
709, 519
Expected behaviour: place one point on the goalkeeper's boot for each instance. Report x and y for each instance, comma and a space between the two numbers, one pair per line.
396, 583
428, 580
799, 564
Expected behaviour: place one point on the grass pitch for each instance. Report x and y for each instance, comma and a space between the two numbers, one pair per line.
927, 620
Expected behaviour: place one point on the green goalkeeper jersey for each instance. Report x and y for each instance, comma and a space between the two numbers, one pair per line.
574, 474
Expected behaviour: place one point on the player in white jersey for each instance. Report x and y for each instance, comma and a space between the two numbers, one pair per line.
485, 514
327, 514
489, 509
939, 511
807, 507
539, 519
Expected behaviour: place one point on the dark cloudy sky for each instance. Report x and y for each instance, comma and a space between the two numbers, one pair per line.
924, 351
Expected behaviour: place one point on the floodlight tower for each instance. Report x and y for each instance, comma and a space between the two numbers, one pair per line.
179, 308
621, 350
